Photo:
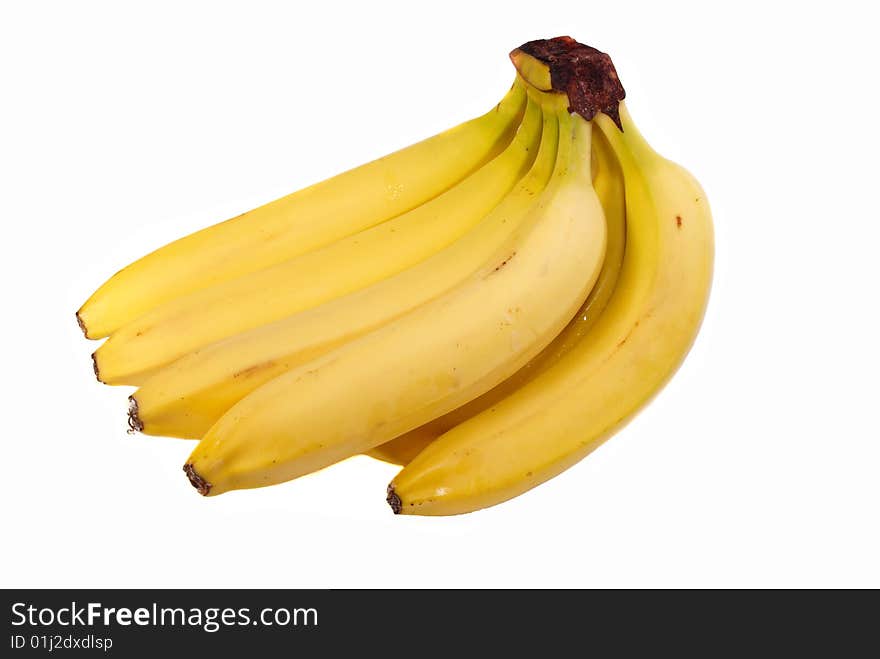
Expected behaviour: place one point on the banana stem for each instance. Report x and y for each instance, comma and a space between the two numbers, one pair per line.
586, 75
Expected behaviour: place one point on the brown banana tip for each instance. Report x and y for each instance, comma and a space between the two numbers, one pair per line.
585, 74
393, 500
82, 325
134, 421
95, 367
203, 486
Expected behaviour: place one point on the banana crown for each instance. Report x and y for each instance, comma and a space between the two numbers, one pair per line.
586, 75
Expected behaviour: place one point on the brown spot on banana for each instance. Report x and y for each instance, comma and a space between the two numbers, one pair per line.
629, 334
504, 262
256, 368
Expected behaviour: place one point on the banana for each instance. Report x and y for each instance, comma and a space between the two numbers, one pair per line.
303, 221
608, 183
429, 361
615, 369
193, 321
403, 449
187, 397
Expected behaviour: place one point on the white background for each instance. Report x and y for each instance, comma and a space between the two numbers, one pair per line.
126, 125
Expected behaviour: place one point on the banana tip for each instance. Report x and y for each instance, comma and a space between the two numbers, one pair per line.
393, 500
202, 486
134, 421
82, 324
95, 367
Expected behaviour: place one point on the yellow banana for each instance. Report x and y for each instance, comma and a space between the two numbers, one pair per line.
303, 221
616, 368
403, 449
187, 397
608, 183
193, 321
429, 361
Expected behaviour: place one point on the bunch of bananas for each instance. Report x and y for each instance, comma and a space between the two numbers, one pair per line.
484, 307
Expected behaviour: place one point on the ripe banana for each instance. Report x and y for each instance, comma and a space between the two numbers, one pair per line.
303, 221
187, 397
616, 368
608, 183
193, 321
429, 361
